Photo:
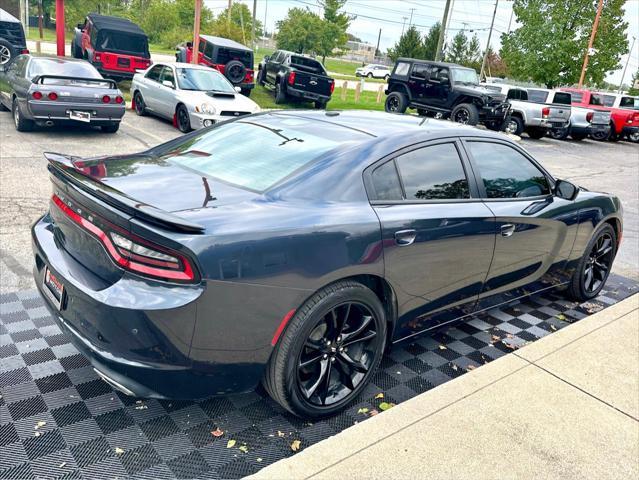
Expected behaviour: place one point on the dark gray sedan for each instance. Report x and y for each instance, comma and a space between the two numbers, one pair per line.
48, 91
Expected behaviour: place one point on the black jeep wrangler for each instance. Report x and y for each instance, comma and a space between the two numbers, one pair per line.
12, 41
447, 89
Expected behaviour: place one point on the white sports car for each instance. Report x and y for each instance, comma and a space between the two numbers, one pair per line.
192, 96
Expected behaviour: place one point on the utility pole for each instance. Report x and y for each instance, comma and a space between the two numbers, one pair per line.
623, 75
490, 34
195, 56
254, 19
590, 42
228, 16
440, 41
450, 15
40, 18
410, 22
511, 19
379, 36
265, 11
403, 25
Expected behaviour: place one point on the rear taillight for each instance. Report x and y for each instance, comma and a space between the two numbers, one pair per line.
249, 77
332, 86
131, 252
53, 96
545, 112
589, 116
291, 78
119, 99
24, 51
106, 99
37, 95
633, 118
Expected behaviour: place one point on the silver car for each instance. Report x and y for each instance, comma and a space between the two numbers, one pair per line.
192, 96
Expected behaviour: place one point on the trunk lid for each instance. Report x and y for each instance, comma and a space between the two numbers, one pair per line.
559, 115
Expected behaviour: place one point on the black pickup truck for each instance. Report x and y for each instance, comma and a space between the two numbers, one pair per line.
295, 76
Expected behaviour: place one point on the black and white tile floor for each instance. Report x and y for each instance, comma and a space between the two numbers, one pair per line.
59, 420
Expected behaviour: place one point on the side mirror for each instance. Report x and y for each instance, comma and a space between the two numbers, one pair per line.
167, 83
80, 26
238, 89
566, 190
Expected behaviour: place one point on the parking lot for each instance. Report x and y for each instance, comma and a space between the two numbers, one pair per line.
25, 188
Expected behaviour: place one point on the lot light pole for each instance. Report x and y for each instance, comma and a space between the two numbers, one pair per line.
195, 56
59, 26
440, 41
590, 42
490, 34
623, 75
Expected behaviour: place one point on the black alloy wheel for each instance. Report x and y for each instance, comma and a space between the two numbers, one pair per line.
183, 120
140, 108
393, 104
337, 355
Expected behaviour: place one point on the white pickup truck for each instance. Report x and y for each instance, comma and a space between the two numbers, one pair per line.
583, 121
534, 118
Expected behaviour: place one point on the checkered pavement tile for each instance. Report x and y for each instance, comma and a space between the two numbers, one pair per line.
59, 420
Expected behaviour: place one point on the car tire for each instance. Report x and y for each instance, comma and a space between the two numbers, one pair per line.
396, 102
246, 92
7, 52
111, 128
313, 344
369, 75
320, 105
634, 137
578, 136
514, 125
76, 51
594, 266
140, 107
536, 133
558, 133
602, 136
465, 113
182, 119
280, 94
235, 71
261, 77
22, 124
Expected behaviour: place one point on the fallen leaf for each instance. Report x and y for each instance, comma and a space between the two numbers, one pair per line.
442, 347
509, 335
471, 367
217, 432
561, 316
496, 338
295, 445
455, 367
362, 410
244, 448
231, 444
553, 328
385, 406
119, 451
36, 434
138, 402
373, 413
379, 395
62, 464
280, 434
259, 459
141, 407
41, 423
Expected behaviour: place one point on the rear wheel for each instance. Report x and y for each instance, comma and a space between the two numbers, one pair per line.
594, 267
558, 133
280, 96
76, 51
329, 351
465, 113
578, 136
320, 105
601, 136
396, 102
536, 133
182, 118
261, 77
369, 74
22, 124
111, 128
140, 108
634, 137
246, 92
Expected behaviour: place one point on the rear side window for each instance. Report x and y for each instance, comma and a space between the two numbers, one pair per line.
419, 70
402, 68
225, 55
506, 173
537, 96
629, 102
308, 64
386, 182
517, 94
433, 173
562, 98
577, 97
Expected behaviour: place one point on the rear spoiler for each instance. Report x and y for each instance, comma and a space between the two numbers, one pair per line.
39, 79
65, 166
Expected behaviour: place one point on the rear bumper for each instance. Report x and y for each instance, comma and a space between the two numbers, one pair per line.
137, 332
59, 111
303, 94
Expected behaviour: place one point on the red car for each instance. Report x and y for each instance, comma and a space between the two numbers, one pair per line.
117, 47
623, 122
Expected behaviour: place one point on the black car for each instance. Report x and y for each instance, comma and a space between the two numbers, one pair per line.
291, 247
295, 76
447, 89
12, 40
53, 90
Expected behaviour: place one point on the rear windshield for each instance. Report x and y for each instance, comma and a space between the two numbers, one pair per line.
119, 42
12, 32
225, 55
602, 100
207, 80
307, 64
537, 96
562, 98
629, 102
256, 155
53, 66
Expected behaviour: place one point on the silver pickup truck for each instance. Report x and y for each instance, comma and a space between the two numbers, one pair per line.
583, 121
534, 118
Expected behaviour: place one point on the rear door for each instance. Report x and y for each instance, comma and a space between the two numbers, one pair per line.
150, 86
437, 236
535, 230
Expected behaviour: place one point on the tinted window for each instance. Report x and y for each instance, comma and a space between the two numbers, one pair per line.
386, 182
441, 74
154, 73
419, 70
577, 97
596, 100
434, 172
629, 102
506, 173
537, 96
208, 50
517, 94
608, 100
308, 64
200, 79
201, 46
54, 66
562, 98
225, 55
402, 68
167, 74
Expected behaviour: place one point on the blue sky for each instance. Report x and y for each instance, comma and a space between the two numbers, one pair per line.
389, 15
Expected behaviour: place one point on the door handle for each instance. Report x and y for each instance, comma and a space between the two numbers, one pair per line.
507, 230
403, 238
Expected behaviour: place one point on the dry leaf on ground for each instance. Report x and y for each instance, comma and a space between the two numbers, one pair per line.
231, 444
296, 445
217, 432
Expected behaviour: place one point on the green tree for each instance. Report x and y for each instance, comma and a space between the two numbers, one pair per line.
549, 46
430, 41
634, 84
464, 51
300, 31
333, 34
409, 45
242, 20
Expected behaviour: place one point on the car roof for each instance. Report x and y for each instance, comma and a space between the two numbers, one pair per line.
225, 42
7, 17
114, 23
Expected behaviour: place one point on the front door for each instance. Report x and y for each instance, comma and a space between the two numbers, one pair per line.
438, 237
535, 230
166, 94
438, 87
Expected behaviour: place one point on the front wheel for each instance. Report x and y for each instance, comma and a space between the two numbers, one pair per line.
138, 102
396, 102
465, 113
22, 124
329, 350
182, 118
594, 267
601, 136
634, 137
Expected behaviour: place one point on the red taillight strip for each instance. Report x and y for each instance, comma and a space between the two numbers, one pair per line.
186, 275
282, 326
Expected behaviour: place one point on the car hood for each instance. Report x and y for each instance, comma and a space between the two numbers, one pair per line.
156, 181
479, 90
235, 102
